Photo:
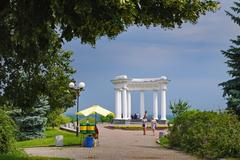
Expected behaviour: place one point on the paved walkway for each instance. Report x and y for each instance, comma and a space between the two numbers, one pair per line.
116, 145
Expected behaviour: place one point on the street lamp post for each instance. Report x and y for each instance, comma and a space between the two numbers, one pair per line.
77, 90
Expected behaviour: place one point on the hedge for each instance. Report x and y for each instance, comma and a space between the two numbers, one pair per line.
7, 133
206, 134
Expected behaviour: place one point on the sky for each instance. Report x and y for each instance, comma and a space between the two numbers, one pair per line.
189, 56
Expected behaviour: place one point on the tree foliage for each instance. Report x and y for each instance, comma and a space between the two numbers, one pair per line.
108, 118
209, 135
7, 133
32, 125
56, 118
231, 87
90, 20
179, 107
58, 76
25, 84
48, 75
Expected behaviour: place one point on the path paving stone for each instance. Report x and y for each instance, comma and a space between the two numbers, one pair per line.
116, 145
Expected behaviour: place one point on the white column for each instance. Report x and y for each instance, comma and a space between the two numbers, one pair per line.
117, 104
163, 104
142, 108
129, 104
155, 104
124, 98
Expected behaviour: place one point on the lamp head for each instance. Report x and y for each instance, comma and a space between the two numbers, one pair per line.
71, 85
81, 85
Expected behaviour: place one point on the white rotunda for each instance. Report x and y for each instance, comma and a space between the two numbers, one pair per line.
124, 86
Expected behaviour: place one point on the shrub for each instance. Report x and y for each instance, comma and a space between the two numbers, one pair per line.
206, 134
55, 119
64, 119
7, 133
88, 119
164, 141
108, 118
179, 107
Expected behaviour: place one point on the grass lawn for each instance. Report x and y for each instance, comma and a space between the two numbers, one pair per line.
68, 139
18, 155
15, 157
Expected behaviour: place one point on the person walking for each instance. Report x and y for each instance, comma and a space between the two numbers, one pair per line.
144, 123
153, 125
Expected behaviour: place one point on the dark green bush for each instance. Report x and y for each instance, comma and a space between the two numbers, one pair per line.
7, 133
206, 134
164, 141
108, 118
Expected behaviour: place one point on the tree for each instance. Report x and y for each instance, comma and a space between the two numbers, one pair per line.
33, 124
231, 88
57, 79
179, 108
90, 20
56, 118
49, 75
32, 32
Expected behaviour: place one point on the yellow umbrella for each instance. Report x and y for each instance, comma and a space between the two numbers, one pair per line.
93, 110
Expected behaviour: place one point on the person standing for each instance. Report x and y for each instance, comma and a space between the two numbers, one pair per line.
144, 123
96, 136
153, 125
